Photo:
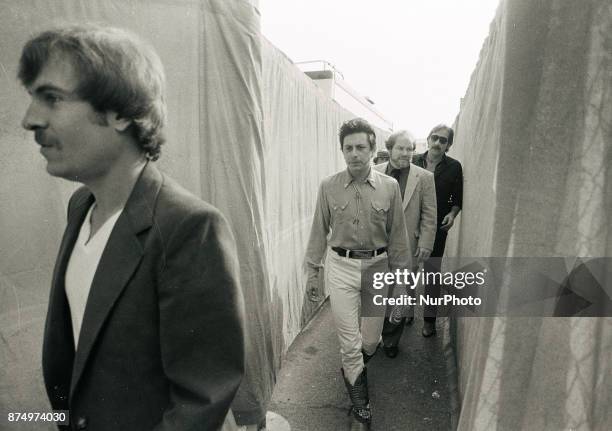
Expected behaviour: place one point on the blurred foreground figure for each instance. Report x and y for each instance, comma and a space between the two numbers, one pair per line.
448, 177
362, 208
146, 276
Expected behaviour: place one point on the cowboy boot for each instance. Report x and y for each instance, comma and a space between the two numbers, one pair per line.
360, 413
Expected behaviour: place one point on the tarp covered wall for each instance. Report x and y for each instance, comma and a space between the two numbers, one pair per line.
534, 135
212, 56
301, 148
247, 131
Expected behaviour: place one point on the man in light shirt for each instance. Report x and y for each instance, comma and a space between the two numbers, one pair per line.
362, 209
146, 275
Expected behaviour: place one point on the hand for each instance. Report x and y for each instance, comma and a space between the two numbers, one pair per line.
447, 222
314, 295
397, 314
312, 285
422, 254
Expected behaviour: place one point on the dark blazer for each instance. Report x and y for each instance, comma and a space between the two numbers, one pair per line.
161, 345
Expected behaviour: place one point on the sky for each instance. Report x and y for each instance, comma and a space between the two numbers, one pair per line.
413, 58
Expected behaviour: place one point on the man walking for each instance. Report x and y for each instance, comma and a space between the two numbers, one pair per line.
146, 275
419, 203
448, 177
362, 209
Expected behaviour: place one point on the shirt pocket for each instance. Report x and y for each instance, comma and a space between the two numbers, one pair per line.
379, 211
340, 211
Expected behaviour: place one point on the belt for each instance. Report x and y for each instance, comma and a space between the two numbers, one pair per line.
359, 254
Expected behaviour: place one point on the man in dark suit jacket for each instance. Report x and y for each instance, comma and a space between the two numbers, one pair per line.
146, 276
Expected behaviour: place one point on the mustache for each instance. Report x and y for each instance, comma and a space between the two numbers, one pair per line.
41, 139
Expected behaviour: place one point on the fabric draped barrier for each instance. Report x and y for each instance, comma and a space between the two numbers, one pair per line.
247, 131
254, 136
534, 136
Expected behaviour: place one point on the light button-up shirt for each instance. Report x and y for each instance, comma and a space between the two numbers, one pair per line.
361, 216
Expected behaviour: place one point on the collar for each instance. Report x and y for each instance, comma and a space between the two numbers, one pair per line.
391, 168
442, 161
348, 178
142, 199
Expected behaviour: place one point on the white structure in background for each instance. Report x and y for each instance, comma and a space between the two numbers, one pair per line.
331, 81
421, 146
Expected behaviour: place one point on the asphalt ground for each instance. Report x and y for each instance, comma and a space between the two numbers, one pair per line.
414, 391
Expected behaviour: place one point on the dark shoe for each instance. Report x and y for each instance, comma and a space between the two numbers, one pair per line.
366, 357
360, 413
429, 329
391, 351
409, 321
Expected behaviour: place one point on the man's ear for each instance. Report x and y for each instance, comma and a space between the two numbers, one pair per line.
116, 122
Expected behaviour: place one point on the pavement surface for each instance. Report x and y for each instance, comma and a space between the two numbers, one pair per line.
414, 391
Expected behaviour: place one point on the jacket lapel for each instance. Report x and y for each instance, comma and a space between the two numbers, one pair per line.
82, 201
121, 257
58, 342
411, 183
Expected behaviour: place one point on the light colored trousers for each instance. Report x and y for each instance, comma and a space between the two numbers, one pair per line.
343, 278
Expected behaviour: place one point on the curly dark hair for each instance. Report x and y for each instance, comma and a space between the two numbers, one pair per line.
357, 125
118, 72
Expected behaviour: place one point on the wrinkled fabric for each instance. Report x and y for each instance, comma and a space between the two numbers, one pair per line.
534, 136
247, 131
212, 58
301, 148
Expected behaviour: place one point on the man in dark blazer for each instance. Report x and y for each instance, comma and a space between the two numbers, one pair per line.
146, 276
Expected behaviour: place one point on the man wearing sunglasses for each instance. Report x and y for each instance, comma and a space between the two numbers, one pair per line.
448, 177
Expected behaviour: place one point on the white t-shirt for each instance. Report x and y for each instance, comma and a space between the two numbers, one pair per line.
82, 267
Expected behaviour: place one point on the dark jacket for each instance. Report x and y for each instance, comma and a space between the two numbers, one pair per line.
149, 353
448, 178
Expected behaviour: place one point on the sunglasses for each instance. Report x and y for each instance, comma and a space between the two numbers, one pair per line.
440, 139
